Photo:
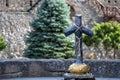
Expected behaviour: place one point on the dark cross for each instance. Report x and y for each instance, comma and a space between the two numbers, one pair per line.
78, 29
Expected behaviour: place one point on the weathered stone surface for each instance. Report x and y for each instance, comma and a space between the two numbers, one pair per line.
23, 5
16, 5
14, 27
105, 68
80, 76
55, 67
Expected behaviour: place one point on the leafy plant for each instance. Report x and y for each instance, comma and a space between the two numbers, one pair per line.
107, 33
2, 43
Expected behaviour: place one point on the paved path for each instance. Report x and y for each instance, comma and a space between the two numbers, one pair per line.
54, 78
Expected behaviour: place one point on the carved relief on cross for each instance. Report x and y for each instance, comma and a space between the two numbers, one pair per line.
78, 29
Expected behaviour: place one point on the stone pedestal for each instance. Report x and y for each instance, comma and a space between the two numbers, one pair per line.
72, 76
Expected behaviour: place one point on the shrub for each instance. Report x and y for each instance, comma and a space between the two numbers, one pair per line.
2, 43
107, 33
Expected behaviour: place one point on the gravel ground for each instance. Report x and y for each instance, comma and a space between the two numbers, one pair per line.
54, 78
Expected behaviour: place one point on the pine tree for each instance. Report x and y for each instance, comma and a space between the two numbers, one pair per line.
47, 40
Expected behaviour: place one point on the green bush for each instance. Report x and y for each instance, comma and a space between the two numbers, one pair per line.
2, 43
107, 33
47, 40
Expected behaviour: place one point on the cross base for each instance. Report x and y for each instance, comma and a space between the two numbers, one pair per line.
72, 76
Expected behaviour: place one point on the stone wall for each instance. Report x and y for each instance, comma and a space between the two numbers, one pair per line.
15, 5
14, 27
24, 5
111, 2
88, 12
55, 67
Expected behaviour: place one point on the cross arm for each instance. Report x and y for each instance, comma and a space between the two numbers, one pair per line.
70, 30
86, 31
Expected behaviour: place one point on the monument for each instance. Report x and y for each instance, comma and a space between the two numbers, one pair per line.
78, 70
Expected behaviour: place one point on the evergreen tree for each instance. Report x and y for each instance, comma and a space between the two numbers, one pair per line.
47, 40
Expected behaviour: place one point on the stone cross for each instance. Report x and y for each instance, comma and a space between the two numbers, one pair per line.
78, 29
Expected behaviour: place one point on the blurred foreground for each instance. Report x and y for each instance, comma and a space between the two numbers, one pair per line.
54, 78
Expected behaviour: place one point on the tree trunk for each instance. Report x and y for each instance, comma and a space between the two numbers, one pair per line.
101, 54
114, 55
106, 54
